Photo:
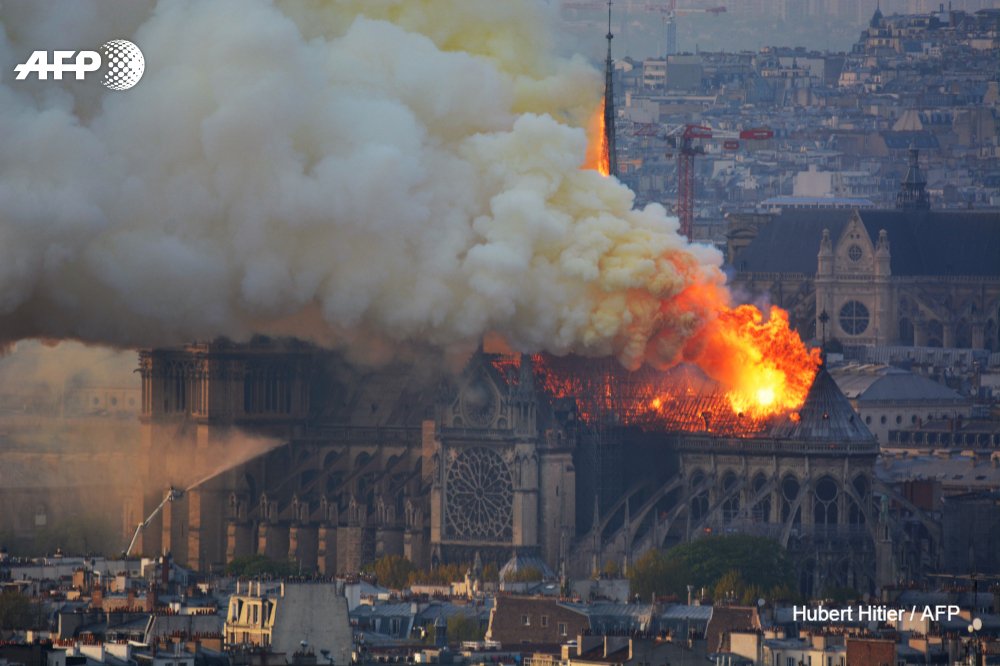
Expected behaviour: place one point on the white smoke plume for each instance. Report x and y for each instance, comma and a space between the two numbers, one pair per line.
367, 173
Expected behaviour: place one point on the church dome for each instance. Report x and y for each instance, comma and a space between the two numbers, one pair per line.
519, 563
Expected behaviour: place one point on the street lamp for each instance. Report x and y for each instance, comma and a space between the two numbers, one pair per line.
974, 627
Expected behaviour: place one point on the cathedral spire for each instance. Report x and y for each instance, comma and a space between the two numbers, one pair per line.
610, 151
876, 20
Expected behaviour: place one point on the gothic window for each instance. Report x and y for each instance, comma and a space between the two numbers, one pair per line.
789, 494
963, 334
480, 497
267, 390
935, 333
854, 317
857, 514
731, 507
854, 253
699, 503
905, 331
825, 502
762, 511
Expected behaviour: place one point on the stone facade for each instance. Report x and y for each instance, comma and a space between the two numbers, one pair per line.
333, 468
805, 480
869, 277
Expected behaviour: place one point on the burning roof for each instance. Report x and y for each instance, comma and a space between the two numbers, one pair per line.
683, 398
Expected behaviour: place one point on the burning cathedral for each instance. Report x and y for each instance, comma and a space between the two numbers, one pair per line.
574, 461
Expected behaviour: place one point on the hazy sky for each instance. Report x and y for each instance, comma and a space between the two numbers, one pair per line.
746, 25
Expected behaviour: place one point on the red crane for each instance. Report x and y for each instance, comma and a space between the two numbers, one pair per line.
686, 150
683, 139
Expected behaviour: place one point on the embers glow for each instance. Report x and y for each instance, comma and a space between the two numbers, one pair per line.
597, 145
747, 371
764, 365
607, 394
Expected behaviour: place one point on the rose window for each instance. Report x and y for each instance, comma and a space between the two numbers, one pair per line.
480, 497
854, 317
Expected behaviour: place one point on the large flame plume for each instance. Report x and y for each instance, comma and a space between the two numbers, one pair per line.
379, 175
763, 365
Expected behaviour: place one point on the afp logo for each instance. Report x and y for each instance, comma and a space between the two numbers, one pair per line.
122, 59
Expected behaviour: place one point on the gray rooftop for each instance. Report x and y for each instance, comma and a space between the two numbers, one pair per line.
921, 242
953, 470
826, 416
867, 383
685, 612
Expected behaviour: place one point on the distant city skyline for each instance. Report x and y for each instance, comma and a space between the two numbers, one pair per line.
640, 26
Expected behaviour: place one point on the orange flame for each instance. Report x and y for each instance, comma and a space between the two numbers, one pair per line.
753, 370
597, 153
764, 365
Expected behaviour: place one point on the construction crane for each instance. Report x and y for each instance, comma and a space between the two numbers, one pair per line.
172, 494
683, 138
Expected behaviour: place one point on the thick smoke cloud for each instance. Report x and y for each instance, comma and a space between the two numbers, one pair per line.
370, 174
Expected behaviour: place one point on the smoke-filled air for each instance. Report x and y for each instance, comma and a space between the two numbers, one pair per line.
367, 174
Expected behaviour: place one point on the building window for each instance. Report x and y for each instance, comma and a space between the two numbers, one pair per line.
526, 620
545, 620
562, 628
899, 419
868, 420
854, 317
882, 419
854, 253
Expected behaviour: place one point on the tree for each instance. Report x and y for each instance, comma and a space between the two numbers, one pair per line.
19, 612
526, 575
658, 573
393, 571
491, 573
464, 628
611, 569
252, 566
440, 575
730, 587
758, 561
744, 565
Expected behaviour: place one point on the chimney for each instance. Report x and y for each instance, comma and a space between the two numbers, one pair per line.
97, 597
